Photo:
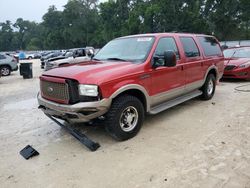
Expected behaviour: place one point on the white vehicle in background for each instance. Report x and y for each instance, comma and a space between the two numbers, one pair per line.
77, 56
7, 64
30, 56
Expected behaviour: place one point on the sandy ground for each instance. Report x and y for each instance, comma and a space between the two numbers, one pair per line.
195, 144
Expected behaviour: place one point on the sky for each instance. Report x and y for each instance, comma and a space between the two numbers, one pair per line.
32, 10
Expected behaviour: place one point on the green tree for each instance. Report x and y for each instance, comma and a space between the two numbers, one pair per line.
53, 29
6, 35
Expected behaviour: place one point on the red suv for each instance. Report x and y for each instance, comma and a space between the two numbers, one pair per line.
132, 76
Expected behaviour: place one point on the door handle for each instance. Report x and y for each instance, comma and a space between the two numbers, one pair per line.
181, 67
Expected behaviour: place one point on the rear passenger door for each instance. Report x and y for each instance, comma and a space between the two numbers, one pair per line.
193, 63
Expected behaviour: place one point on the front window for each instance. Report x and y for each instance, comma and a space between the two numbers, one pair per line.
237, 53
134, 49
69, 54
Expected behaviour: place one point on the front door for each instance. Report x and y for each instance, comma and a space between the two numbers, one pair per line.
167, 82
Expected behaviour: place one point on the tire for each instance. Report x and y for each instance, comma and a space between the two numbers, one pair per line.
5, 70
29, 57
208, 88
124, 118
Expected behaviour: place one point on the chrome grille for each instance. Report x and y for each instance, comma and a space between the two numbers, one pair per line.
53, 90
229, 67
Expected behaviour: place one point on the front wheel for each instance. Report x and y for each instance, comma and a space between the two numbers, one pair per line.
5, 70
125, 117
208, 88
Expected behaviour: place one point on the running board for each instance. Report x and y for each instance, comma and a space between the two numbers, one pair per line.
91, 145
174, 102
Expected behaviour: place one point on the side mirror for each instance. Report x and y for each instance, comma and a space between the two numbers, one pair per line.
170, 58
92, 56
90, 52
167, 60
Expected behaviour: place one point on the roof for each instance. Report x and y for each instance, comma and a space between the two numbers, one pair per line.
164, 34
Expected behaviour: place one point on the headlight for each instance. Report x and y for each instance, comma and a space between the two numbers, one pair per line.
88, 90
245, 65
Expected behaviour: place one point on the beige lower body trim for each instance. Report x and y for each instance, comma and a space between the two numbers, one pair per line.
173, 93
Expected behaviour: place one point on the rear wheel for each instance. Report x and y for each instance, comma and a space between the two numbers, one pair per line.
208, 88
125, 117
5, 70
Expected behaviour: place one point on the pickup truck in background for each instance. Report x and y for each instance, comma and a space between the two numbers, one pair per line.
133, 76
48, 56
73, 56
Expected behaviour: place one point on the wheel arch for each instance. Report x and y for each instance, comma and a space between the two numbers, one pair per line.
134, 90
5, 65
212, 70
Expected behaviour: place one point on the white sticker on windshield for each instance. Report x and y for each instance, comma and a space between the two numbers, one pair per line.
144, 39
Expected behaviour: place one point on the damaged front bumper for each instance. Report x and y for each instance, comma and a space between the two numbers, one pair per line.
76, 113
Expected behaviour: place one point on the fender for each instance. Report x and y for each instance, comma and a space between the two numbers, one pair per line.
209, 69
136, 87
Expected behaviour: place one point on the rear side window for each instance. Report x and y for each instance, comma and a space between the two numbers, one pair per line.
190, 48
166, 44
210, 46
2, 57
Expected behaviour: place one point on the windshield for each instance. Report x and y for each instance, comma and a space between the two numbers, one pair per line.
238, 53
135, 49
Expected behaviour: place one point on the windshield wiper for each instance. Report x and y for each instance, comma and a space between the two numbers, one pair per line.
116, 59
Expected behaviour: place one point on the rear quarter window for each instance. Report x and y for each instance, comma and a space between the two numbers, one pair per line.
2, 56
210, 46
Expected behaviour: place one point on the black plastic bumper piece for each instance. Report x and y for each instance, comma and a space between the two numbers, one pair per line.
28, 152
91, 145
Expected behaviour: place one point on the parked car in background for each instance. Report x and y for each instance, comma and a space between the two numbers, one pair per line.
7, 64
237, 63
132, 76
74, 56
37, 55
30, 56
48, 56
55, 58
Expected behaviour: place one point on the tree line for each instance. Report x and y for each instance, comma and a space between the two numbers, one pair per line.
91, 23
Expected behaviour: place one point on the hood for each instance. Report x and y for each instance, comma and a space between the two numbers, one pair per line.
93, 72
236, 61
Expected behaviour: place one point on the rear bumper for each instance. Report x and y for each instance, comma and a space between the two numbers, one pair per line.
237, 73
79, 112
